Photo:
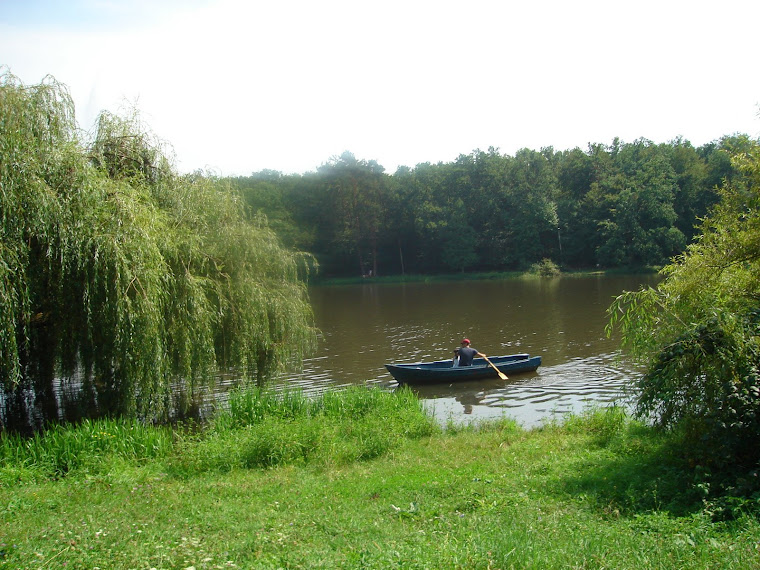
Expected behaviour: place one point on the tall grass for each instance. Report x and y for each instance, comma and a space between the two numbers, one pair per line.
251, 406
263, 428
260, 428
61, 449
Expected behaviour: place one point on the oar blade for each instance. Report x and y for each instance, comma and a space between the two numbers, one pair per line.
499, 372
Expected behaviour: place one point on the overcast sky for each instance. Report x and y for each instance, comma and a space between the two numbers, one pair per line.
239, 86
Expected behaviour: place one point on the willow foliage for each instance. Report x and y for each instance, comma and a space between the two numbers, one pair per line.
699, 331
127, 281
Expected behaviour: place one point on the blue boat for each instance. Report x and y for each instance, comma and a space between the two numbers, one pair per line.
442, 371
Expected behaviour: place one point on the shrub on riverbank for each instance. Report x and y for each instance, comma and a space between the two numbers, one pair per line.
545, 268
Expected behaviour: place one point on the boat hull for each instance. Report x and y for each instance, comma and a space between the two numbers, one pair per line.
441, 371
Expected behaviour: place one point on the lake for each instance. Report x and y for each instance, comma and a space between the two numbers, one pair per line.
561, 319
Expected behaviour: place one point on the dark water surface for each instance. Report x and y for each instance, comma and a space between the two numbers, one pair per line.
561, 319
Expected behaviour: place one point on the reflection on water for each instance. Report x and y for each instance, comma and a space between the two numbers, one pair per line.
563, 320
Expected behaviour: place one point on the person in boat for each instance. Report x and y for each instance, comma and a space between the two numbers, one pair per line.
467, 353
455, 360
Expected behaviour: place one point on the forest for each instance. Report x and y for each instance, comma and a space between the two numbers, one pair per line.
619, 205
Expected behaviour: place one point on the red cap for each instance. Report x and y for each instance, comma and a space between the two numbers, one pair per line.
465, 341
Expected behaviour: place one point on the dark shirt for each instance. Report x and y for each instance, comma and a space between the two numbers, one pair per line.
466, 354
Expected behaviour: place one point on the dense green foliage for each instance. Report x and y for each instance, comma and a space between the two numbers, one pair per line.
699, 333
129, 282
620, 205
597, 491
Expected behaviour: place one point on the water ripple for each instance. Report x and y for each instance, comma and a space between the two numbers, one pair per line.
532, 399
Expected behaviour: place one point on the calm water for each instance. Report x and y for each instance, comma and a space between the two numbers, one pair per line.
365, 326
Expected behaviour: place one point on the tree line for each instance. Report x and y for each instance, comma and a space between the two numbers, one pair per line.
612, 206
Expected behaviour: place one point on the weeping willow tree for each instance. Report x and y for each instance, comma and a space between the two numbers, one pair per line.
123, 283
698, 332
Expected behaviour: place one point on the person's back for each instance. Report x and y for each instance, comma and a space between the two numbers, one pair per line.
466, 354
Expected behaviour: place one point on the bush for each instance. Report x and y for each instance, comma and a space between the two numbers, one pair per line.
545, 268
698, 334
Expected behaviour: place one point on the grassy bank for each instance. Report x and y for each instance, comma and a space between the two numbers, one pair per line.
362, 479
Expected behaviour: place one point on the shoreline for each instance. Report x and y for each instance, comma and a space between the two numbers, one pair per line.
475, 276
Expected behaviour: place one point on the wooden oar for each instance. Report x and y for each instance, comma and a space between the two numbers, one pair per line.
499, 372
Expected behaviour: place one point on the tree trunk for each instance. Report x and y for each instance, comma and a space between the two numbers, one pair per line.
401, 257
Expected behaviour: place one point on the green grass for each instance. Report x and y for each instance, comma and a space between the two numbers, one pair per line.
84, 447
266, 429
597, 491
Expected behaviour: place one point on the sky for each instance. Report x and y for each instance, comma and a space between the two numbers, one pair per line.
236, 87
